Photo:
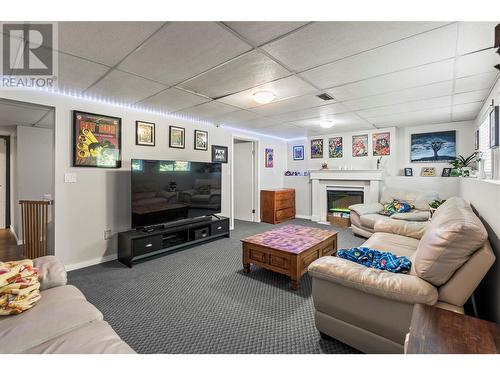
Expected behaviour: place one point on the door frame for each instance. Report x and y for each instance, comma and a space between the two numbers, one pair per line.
7, 179
256, 179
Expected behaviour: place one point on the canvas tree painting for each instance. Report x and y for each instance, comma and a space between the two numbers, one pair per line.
381, 144
437, 147
360, 145
335, 147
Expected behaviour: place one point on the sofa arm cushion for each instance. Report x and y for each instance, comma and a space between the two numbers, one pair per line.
366, 208
414, 215
52, 272
413, 229
395, 286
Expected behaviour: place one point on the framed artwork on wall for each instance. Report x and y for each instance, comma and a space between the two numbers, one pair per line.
381, 144
428, 172
176, 137
269, 157
494, 128
360, 145
446, 172
96, 140
408, 172
298, 152
335, 147
316, 148
144, 133
200, 140
436, 147
219, 154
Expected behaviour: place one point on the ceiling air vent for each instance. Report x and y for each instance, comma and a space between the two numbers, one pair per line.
325, 96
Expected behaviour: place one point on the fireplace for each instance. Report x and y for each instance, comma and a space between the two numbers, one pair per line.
340, 200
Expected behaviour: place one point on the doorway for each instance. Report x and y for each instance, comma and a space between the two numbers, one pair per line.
245, 180
4, 181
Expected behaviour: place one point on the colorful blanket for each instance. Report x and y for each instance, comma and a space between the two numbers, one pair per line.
19, 286
376, 259
396, 207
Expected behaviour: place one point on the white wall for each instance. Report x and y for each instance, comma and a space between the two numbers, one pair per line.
100, 199
243, 181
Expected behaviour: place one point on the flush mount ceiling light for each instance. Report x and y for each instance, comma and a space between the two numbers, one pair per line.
326, 124
263, 97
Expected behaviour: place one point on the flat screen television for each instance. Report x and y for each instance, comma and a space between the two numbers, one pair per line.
169, 190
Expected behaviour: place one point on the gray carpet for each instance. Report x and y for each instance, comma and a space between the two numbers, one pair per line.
199, 301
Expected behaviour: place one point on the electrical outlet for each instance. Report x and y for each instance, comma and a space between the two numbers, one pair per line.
107, 234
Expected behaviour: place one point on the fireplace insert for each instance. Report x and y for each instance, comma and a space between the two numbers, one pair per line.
340, 200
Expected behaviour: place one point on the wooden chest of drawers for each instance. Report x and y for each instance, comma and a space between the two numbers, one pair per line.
277, 205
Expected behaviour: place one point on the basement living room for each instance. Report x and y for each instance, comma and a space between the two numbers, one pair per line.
250, 187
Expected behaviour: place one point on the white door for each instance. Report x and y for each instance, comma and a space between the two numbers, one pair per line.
244, 182
3, 177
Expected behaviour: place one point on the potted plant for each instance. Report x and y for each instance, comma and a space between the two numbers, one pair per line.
464, 165
435, 204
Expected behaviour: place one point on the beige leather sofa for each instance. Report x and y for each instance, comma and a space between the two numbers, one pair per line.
371, 309
61, 322
364, 216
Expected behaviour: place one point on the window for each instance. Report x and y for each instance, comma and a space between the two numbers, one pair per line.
484, 146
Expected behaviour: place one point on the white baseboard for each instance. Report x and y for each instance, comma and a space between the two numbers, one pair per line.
90, 262
303, 217
13, 231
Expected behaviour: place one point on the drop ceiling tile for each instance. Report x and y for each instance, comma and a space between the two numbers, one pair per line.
208, 110
471, 96
415, 93
232, 118
259, 33
467, 108
75, 74
424, 117
19, 114
420, 76
324, 42
104, 42
406, 107
244, 72
287, 131
124, 87
322, 111
475, 82
173, 99
182, 50
289, 105
283, 88
421, 49
258, 123
343, 120
473, 36
476, 63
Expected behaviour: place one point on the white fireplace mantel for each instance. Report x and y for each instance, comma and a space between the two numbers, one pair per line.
327, 179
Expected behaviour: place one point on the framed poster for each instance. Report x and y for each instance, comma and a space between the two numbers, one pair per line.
144, 133
446, 172
381, 144
298, 152
201, 140
408, 172
96, 140
269, 157
219, 154
335, 147
436, 147
360, 145
494, 129
428, 172
316, 148
176, 138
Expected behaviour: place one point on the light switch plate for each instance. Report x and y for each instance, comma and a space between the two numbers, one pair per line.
70, 178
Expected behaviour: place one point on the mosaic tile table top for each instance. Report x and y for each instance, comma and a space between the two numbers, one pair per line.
290, 238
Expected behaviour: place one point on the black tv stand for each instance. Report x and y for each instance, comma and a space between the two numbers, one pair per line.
134, 245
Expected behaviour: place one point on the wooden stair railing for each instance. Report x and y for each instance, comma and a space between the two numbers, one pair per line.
35, 219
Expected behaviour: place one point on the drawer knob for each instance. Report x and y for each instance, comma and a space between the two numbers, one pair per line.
219, 227
149, 245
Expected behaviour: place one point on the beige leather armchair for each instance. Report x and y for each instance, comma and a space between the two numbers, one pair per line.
371, 309
364, 216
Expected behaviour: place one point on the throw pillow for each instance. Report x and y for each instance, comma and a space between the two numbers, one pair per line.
396, 207
19, 286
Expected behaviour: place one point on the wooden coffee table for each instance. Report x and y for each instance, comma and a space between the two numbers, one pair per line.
288, 250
